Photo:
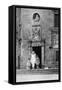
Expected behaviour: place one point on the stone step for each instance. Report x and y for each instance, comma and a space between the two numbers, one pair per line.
37, 71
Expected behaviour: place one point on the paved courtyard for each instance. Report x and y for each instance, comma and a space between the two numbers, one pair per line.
36, 75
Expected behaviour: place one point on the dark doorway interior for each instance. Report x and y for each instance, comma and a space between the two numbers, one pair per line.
37, 50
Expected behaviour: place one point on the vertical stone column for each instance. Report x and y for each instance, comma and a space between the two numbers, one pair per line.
18, 37
42, 54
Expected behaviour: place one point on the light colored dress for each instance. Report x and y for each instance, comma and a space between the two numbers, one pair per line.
33, 59
28, 65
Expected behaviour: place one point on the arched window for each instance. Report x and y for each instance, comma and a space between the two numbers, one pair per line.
36, 17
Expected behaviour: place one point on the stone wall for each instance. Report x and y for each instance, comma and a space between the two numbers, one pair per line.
24, 18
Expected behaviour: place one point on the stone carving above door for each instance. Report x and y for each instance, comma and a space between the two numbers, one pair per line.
36, 27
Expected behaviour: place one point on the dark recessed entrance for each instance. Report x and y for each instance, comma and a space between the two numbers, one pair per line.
37, 50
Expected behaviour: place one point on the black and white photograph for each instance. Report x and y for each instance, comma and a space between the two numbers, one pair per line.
37, 44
